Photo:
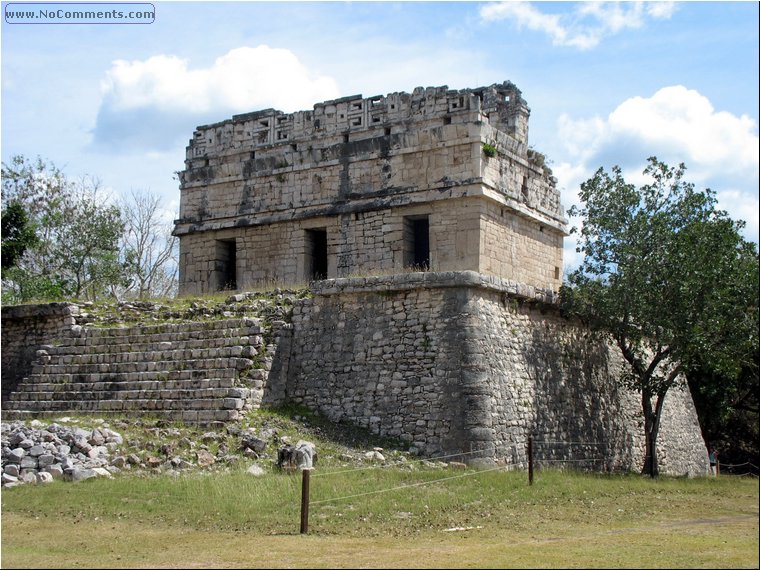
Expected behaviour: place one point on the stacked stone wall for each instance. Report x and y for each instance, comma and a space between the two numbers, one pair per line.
24, 329
556, 381
516, 249
355, 166
472, 364
466, 234
453, 363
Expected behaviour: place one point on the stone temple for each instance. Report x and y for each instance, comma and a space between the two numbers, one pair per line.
436, 180
430, 235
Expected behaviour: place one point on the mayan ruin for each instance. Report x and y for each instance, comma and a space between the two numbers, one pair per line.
438, 180
411, 246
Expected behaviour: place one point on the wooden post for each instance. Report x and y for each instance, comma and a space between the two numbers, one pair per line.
530, 460
305, 501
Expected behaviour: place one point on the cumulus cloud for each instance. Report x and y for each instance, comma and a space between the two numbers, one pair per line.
154, 101
676, 124
585, 26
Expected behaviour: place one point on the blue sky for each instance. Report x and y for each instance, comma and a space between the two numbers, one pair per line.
607, 83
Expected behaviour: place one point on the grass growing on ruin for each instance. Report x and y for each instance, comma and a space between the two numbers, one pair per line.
489, 518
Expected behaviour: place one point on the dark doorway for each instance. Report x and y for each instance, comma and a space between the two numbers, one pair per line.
226, 265
316, 254
417, 243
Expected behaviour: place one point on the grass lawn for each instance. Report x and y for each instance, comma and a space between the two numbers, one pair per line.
400, 517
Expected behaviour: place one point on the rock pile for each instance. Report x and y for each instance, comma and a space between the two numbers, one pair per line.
44, 452
41, 453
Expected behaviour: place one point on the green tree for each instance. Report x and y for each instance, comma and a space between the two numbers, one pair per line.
76, 250
17, 235
670, 278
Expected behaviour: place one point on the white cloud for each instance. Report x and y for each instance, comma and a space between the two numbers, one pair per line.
686, 122
244, 78
676, 124
675, 121
164, 88
583, 28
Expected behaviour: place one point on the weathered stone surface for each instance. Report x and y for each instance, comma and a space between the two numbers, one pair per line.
43, 478
8, 479
205, 458
342, 189
55, 470
80, 474
16, 455
463, 367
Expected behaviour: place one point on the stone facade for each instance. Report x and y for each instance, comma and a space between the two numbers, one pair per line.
470, 364
438, 179
453, 363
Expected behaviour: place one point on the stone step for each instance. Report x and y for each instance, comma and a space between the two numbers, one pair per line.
138, 365
176, 328
133, 354
105, 394
143, 384
156, 375
197, 339
137, 404
202, 417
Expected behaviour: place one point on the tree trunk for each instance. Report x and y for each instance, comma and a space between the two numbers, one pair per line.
652, 419
650, 436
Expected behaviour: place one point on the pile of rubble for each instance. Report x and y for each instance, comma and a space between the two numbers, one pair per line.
41, 453
74, 449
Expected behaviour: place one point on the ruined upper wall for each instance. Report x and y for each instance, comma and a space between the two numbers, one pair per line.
501, 103
360, 154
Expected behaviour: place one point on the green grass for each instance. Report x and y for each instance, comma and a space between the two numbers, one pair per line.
406, 513
470, 518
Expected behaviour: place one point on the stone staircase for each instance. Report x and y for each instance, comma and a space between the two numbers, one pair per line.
202, 372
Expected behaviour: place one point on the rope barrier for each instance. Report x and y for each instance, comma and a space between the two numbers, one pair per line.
570, 442
722, 465
421, 483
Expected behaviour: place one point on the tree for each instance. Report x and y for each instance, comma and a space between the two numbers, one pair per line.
669, 277
76, 250
89, 242
148, 248
17, 235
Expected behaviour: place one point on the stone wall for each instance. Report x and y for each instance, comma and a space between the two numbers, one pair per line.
472, 364
465, 234
453, 363
255, 186
24, 329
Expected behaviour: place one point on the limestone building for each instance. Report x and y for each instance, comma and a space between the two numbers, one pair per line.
438, 180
